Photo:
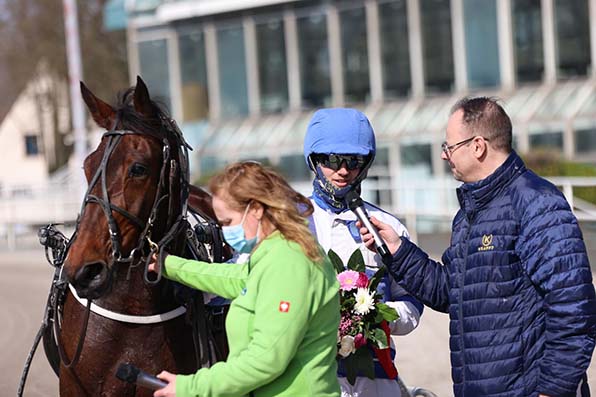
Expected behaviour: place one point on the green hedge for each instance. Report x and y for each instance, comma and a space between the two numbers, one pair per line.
549, 163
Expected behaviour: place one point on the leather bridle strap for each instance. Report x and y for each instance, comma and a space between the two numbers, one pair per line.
107, 207
77, 355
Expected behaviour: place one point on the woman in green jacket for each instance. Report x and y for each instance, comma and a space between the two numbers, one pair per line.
283, 319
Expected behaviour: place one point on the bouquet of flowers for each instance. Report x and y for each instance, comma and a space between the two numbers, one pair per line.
363, 327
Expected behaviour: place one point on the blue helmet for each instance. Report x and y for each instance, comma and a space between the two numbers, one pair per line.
339, 131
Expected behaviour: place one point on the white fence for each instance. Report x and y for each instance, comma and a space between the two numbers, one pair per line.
425, 206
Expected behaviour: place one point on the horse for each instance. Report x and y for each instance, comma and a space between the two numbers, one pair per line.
135, 206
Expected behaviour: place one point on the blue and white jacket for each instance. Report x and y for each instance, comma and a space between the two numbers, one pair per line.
339, 232
517, 285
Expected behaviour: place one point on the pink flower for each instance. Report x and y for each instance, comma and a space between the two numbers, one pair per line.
347, 280
362, 281
345, 325
359, 341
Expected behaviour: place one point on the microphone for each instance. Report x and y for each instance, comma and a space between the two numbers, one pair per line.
356, 205
131, 374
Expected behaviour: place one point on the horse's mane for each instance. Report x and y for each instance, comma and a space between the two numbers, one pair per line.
131, 119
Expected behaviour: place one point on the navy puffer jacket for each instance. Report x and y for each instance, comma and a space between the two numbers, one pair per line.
517, 285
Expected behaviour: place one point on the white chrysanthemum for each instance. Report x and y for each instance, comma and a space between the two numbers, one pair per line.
347, 346
364, 301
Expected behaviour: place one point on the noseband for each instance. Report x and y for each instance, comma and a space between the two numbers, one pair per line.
173, 227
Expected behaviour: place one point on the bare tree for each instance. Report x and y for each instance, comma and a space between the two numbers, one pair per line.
33, 32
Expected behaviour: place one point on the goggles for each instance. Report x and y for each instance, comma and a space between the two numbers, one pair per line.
335, 161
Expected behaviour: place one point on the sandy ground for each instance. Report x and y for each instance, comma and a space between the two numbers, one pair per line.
423, 356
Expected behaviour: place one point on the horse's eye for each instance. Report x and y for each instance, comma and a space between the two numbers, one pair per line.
137, 170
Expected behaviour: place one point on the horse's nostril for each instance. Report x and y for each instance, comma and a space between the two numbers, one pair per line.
89, 273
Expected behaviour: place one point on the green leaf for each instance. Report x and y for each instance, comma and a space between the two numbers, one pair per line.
356, 261
336, 261
387, 312
381, 338
374, 281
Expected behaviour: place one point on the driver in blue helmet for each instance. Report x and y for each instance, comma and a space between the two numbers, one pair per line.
339, 148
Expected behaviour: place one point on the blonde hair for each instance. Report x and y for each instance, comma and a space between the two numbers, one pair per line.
284, 209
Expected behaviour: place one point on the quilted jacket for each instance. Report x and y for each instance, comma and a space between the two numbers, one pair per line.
517, 285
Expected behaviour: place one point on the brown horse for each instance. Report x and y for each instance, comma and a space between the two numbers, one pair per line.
135, 205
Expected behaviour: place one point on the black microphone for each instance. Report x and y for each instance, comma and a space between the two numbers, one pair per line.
131, 374
356, 205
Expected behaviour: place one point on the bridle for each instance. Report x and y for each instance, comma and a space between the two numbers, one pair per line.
178, 168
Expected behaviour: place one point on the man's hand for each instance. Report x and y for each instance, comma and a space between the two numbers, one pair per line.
170, 389
386, 232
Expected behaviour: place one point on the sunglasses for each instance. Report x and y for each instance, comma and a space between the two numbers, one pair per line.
335, 161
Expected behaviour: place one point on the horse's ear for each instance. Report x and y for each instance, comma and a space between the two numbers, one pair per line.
142, 100
102, 113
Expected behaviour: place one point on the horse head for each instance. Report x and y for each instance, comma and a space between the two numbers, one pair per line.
136, 196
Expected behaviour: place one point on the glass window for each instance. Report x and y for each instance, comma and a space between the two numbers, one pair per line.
437, 45
314, 60
482, 43
294, 168
547, 140
31, 147
416, 159
232, 71
395, 53
573, 37
585, 141
354, 55
193, 74
527, 31
153, 59
273, 74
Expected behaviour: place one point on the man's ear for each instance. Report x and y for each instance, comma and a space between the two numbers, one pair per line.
480, 147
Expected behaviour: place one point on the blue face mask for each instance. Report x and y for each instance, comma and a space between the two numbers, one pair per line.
234, 235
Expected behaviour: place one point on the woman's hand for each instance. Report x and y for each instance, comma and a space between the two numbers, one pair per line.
153, 265
386, 232
170, 389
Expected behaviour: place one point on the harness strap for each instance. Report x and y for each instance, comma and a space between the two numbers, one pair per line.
79, 349
127, 318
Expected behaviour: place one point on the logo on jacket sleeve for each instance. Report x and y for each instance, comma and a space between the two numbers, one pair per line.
284, 306
487, 241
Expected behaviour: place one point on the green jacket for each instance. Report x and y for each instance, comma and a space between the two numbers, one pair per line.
281, 327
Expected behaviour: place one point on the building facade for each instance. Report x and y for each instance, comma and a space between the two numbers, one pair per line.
242, 78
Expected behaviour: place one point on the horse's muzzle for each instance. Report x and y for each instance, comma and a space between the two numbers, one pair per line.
92, 280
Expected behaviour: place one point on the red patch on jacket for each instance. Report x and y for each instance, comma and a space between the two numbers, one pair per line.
284, 306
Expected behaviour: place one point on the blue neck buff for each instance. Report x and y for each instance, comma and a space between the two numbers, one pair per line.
328, 196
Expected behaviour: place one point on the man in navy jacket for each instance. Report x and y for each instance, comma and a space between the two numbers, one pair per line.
515, 279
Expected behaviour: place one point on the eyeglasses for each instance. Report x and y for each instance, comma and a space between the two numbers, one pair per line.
449, 149
335, 161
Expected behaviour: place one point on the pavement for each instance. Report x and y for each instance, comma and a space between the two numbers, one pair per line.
24, 288
422, 356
